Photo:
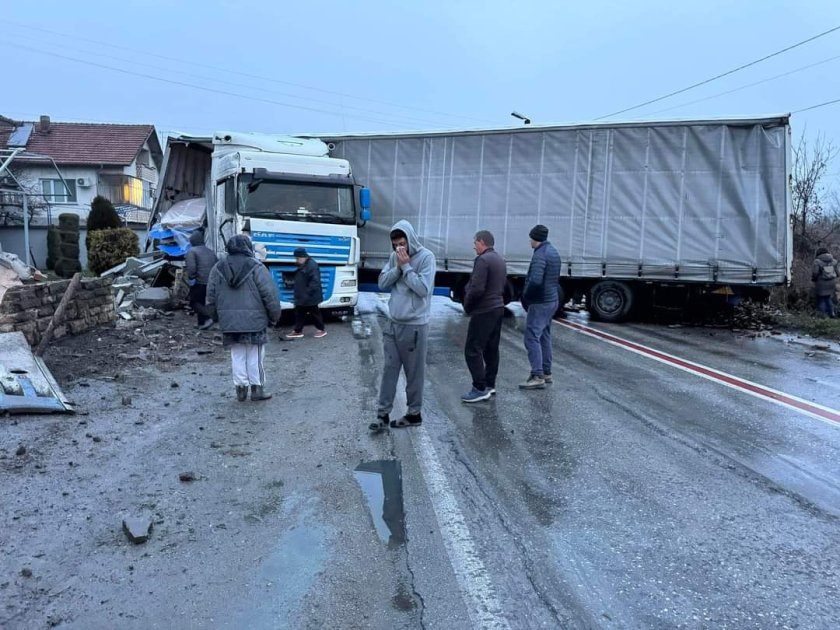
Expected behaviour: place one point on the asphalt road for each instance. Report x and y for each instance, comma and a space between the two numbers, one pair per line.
636, 491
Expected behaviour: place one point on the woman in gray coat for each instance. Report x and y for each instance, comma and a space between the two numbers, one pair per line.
242, 294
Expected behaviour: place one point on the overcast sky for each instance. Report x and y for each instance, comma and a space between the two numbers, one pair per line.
376, 65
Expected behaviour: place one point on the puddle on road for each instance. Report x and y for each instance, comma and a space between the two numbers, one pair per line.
381, 482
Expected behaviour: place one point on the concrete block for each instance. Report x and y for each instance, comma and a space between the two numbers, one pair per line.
157, 297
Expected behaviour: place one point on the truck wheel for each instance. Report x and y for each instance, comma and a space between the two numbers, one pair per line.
611, 301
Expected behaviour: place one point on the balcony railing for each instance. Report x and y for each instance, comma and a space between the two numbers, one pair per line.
132, 197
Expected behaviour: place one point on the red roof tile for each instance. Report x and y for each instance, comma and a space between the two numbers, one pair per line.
85, 143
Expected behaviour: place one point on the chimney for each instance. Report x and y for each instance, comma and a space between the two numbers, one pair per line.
45, 124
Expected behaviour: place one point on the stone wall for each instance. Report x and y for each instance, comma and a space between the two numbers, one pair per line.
29, 308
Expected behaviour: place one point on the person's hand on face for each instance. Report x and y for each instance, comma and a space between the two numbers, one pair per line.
401, 248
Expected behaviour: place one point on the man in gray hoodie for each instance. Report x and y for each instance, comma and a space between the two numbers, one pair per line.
410, 275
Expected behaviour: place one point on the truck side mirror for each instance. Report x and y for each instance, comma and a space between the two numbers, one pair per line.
364, 203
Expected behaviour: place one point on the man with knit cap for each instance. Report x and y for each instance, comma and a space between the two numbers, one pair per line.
541, 299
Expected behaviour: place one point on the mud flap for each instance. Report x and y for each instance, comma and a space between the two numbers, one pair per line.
26, 385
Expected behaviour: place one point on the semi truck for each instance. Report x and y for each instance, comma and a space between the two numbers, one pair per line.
643, 214
286, 192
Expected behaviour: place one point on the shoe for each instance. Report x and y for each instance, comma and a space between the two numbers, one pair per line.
547, 378
319, 334
382, 423
476, 395
408, 420
206, 325
241, 393
294, 335
533, 382
259, 393
492, 390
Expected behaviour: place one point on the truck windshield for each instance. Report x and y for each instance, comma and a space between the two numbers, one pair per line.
294, 201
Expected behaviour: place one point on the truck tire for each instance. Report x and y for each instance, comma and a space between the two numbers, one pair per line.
611, 301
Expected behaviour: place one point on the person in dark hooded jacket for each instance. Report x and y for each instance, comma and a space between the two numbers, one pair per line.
244, 298
308, 295
200, 260
824, 273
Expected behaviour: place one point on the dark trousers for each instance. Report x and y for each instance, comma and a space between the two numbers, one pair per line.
198, 295
482, 348
825, 304
313, 313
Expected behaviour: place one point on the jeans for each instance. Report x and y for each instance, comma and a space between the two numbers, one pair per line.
482, 348
538, 337
825, 304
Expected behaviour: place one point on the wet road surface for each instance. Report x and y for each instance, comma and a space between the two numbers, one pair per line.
629, 493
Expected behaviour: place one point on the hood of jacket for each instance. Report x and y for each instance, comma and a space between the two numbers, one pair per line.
414, 244
240, 262
197, 238
826, 258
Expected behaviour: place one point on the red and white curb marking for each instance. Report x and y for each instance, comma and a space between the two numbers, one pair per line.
826, 414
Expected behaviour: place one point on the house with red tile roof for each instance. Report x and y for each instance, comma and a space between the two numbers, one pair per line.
65, 165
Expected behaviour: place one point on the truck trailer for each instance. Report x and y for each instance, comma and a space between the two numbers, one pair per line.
643, 214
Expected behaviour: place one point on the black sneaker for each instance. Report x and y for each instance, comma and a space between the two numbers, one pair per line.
382, 423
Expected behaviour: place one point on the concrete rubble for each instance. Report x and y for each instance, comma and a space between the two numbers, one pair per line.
146, 285
137, 529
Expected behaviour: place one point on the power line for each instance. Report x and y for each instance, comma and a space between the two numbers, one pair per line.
244, 74
396, 117
744, 87
723, 74
805, 109
196, 87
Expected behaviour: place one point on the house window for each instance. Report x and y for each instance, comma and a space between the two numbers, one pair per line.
55, 192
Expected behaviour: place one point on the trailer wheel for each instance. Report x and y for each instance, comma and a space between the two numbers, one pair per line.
611, 301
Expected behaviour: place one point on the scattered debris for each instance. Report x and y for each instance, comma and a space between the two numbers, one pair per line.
187, 476
154, 297
21, 451
126, 401
26, 572
26, 385
137, 529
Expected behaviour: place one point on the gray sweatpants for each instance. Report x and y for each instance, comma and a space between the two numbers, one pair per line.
405, 347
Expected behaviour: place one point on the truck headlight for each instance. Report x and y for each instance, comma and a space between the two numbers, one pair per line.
348, 283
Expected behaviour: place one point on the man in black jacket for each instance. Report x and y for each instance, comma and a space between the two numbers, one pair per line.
484, 303
308, 295
200, 260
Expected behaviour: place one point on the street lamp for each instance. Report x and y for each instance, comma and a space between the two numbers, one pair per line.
524, 119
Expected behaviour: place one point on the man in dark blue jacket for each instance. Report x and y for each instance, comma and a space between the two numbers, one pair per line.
540, 298
308, 295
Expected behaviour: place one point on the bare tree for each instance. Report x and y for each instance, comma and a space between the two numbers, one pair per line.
11, 204
810, 165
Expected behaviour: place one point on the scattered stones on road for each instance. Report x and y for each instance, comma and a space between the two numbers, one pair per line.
21, 451
137, 529
26, 572
126, 401
187, 476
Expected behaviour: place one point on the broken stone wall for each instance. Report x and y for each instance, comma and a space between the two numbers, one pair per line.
30, 307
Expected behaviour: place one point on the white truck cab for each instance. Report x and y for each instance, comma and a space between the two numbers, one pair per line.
286, 193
